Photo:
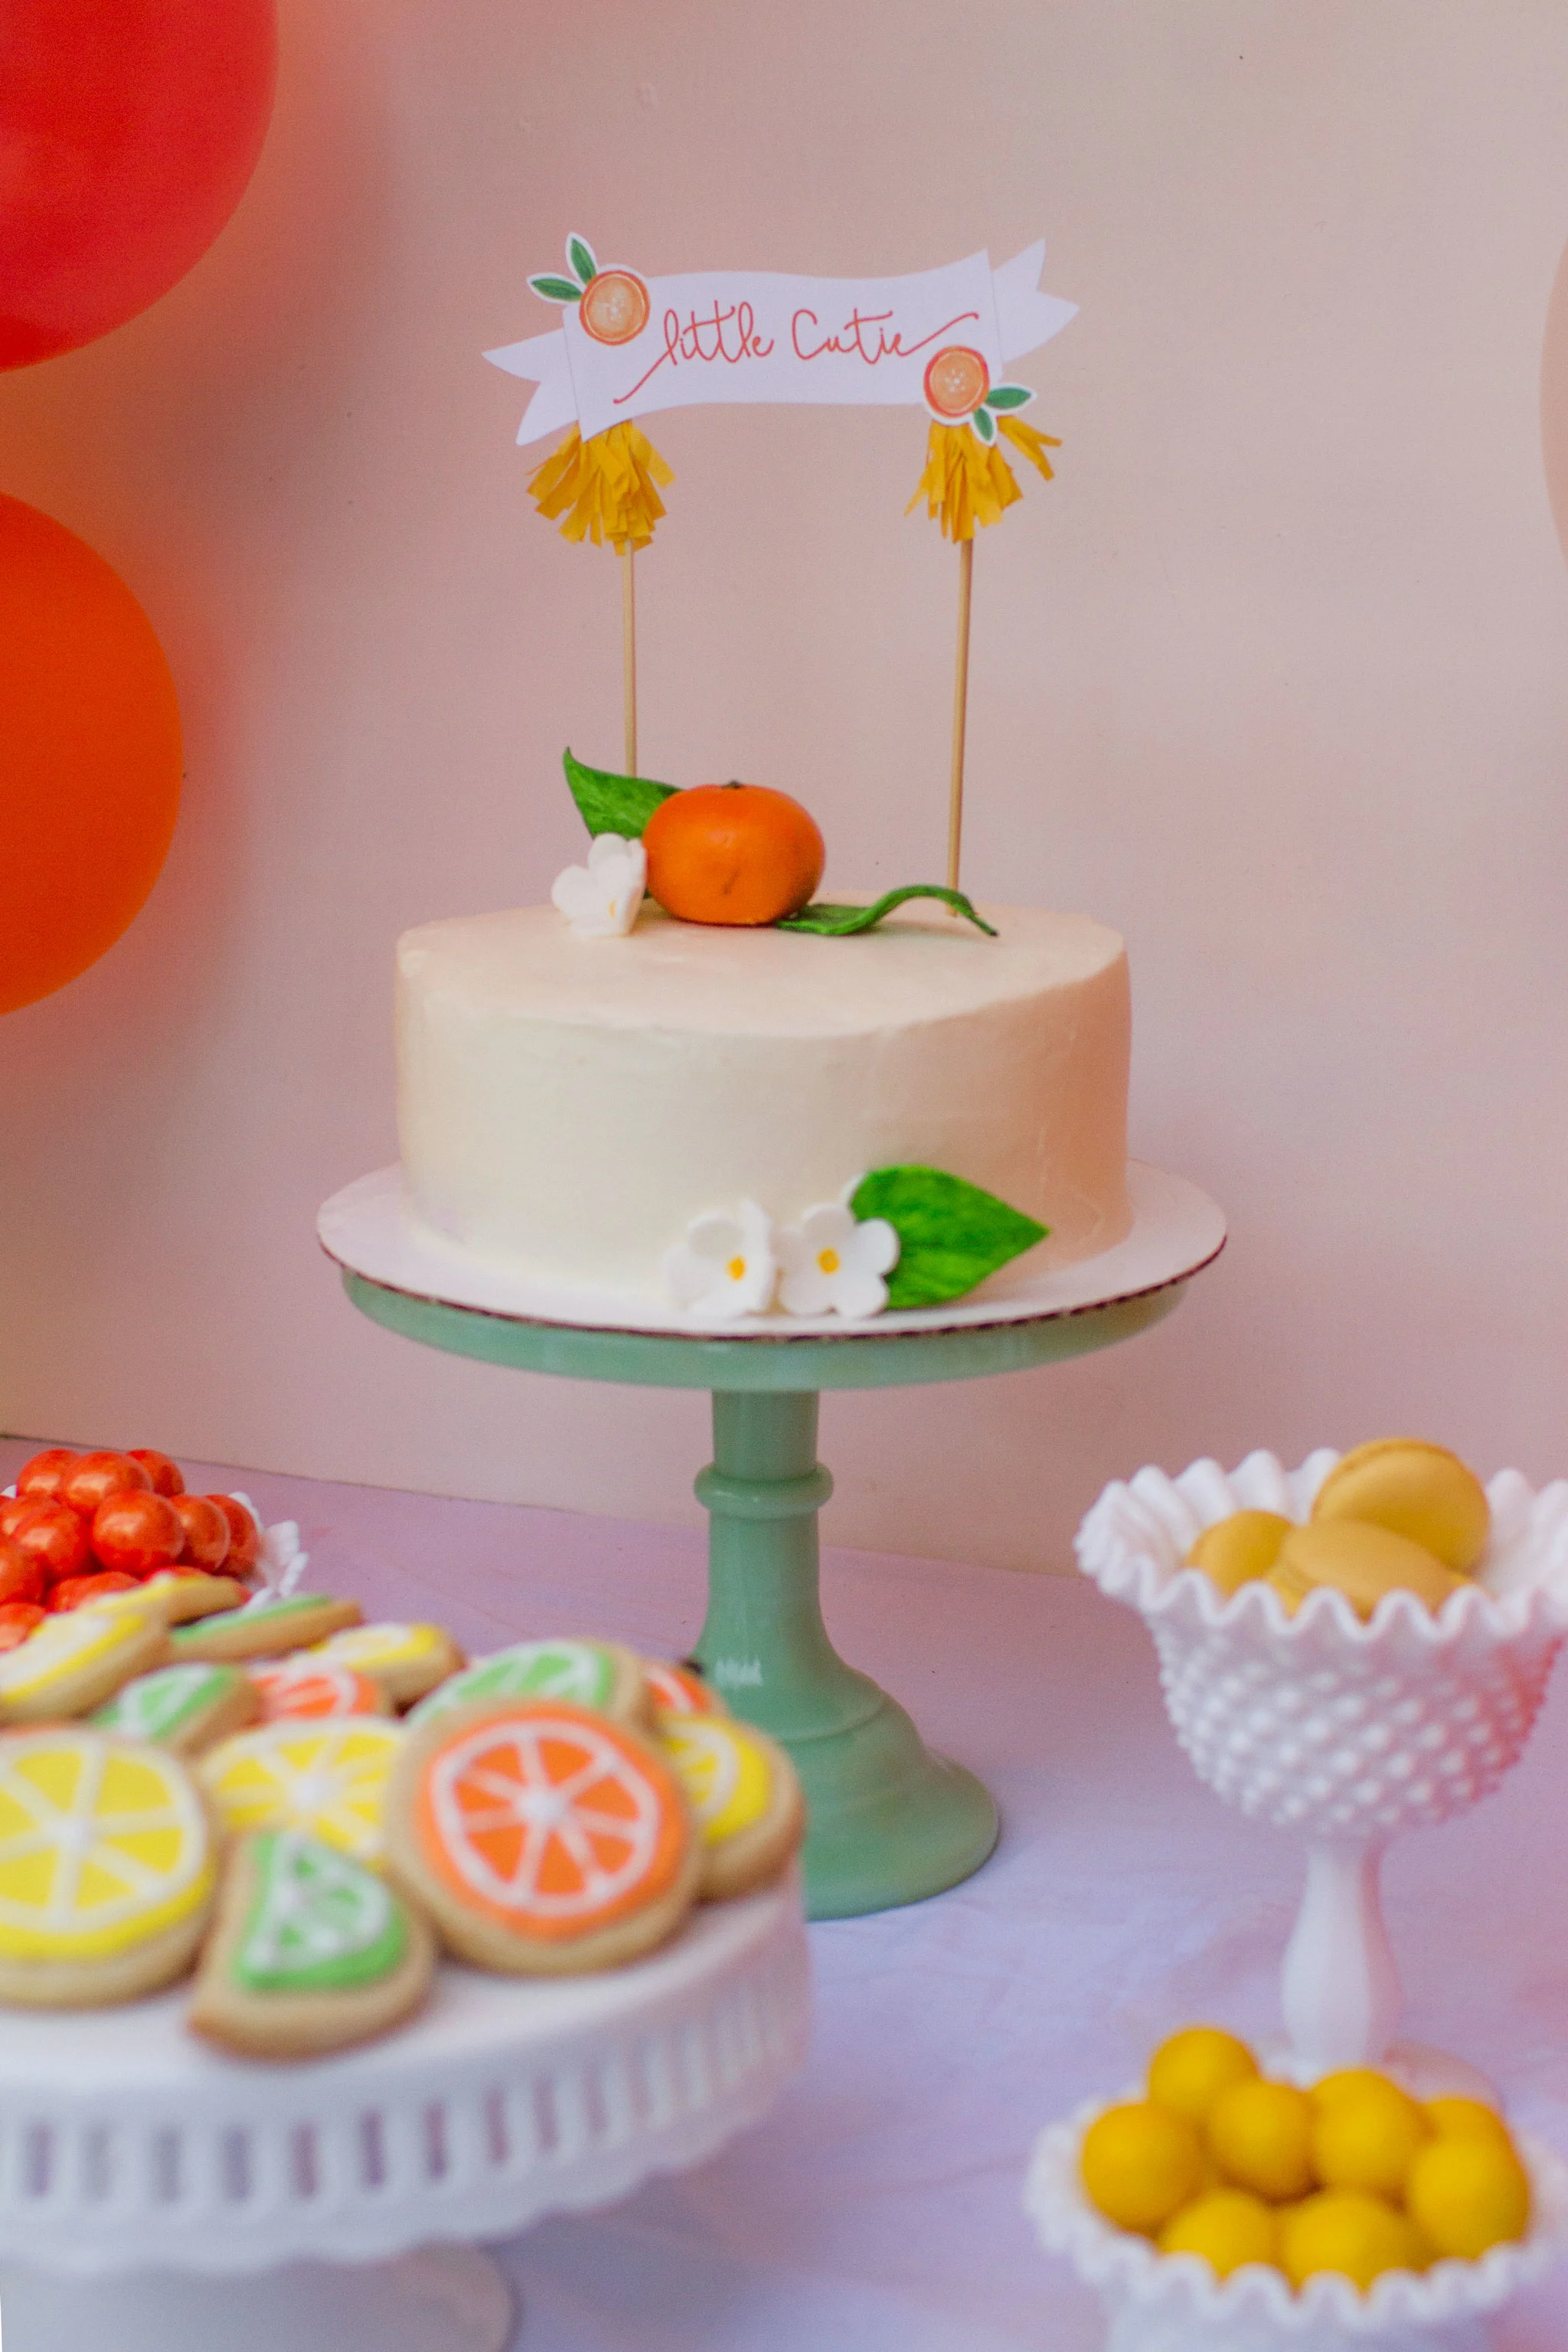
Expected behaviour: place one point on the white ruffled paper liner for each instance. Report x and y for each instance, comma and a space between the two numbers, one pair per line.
1126, 2269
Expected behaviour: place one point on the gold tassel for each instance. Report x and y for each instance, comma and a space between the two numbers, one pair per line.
605, 486
966, 485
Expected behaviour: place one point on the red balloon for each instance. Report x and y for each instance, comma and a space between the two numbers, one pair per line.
89, 754
128, 131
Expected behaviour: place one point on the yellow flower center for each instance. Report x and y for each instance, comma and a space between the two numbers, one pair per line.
827, 1260
736, 1268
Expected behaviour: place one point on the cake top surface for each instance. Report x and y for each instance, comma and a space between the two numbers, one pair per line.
916, 967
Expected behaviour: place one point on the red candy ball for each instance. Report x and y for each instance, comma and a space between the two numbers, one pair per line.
138, 1533
21, 1576
15, 1511
75, 1590
56, 1538
46, 1473
98, 1475
244, 1558
17, 1620
167, 1477
207, 1531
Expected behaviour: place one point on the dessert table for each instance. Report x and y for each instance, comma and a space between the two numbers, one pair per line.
879, 2204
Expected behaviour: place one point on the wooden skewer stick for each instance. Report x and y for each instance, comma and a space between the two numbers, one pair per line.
959, 711
629, 653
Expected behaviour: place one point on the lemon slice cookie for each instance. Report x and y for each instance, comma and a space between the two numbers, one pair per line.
107, 1869
326, 1779
745, 1795
407, 1661
73, 1662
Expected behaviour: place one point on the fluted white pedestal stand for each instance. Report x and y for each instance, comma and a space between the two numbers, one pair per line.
156, 2195
1344, 1733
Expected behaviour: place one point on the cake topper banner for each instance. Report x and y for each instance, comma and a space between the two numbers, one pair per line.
628, 346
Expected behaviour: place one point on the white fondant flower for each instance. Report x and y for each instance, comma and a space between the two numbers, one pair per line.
600, 900
725, 1265
833, 1262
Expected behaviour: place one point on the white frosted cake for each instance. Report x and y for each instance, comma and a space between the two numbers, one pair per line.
567, 1106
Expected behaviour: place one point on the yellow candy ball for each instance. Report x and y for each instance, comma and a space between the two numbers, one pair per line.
1347, 2231
1465, 2195
1237, 1550
1260, 2136
1349, 2081
1228, 2228
1366, 2138
1188, 2073
1140, 2165
1467, 2119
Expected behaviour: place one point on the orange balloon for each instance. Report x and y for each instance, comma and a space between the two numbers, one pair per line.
89, 754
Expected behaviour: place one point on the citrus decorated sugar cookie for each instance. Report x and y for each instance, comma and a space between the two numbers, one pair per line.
405, 1660
598, 1674
310, 1684
311, 1952
266, 1630
678, 1690
186, 1707
74, 1662
328, 1779
177, 1595
744, 1792
107, 1870
542, 1838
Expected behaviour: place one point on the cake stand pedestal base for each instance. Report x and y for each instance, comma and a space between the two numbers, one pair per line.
889, 1821
437, 2299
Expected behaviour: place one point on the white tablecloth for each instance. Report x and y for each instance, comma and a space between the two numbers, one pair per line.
877, 2208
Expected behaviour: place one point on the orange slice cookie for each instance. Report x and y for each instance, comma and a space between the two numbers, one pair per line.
328, 1779
310, 1685
678, 1690
405, 1660
542, 1838
745, 1794
73, 1662
107, 1868
267, 1630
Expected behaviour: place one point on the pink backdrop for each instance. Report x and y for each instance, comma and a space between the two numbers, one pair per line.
1273, 678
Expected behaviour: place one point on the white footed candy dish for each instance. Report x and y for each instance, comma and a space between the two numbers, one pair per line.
1343, 1731
1174, 2303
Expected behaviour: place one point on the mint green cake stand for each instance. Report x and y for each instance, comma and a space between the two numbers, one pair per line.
889, 1822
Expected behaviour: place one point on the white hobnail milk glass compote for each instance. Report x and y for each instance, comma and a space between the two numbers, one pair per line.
1346, 1732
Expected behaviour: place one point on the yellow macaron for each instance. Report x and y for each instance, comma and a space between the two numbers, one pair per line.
1419, 1491
1239, 1550
1362, 1561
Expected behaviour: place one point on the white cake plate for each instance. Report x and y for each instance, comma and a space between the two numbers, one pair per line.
157, 2196
371, 1231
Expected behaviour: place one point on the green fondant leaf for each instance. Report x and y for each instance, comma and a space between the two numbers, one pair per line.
556, 290
580, 253
1009, 395
842, 922
985, 424
951, 1233
611, 804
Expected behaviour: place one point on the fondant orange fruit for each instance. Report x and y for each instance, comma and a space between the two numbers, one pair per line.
614, 307
956, 382
739, 854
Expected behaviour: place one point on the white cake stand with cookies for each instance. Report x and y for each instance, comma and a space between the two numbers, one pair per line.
889, 1821
159, 2196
